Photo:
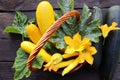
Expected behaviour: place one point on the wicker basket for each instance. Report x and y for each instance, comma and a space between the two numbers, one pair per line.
48, 34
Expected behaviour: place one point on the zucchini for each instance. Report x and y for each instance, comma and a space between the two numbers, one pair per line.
28, 47
97, 14
44, 16
33, 33
111, 46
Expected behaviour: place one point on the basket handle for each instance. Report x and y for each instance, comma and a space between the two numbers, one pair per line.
48, 34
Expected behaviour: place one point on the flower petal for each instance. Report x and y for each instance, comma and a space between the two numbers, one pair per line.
68, 40
77, 38
69, 50
105, 30
81, 59
92, 50
113, 26
89, 58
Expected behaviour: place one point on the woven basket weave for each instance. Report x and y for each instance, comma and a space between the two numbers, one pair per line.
48, 34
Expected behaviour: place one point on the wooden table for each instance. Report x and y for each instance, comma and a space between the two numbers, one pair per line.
9, 43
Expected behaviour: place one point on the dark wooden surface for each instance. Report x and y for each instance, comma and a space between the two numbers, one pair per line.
9, 43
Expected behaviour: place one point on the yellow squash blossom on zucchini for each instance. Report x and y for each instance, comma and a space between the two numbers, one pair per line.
105, 29
55, 59
81, 46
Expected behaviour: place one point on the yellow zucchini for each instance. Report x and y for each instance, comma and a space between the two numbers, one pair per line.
28, 46
33, 33
44, 16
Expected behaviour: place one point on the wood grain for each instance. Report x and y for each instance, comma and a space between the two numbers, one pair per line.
6, 19
8, 48
25, 5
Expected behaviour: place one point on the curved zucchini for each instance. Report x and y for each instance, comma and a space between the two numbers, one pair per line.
111, 46
28, 47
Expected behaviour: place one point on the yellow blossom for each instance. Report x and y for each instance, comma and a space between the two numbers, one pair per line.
55, 59
105, 29
86, 55
82, 46
75, 44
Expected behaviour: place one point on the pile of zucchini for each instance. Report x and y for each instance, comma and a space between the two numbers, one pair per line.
108, 53
111, 47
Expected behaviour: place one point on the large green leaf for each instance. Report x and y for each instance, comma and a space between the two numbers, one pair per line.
19, 24
21, 69
92, 31
84, 18
68, 28
58, 39
64, 27
12, 29
20, 21
89, 29
66, 5
38, 62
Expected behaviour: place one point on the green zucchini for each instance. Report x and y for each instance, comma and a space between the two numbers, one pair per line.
112, 45
97, 14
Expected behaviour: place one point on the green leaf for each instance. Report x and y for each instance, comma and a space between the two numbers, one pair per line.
21, 70
20, 21
64, 27
68, 28
66, 5
12, 29
97, 14
92, 31
31, 21
50, 48
58, 39
84, 18
19, 24
38, 62
89, 29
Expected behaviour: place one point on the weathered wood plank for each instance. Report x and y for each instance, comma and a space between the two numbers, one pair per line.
8, 48
13, 5
6, 19
6, 72
117, 73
